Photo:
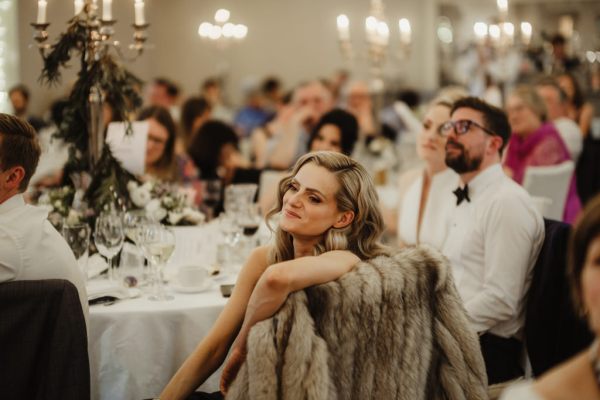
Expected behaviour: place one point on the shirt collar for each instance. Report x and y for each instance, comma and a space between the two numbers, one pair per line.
484, 179
13, 202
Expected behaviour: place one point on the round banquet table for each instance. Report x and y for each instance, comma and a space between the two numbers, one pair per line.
136, 345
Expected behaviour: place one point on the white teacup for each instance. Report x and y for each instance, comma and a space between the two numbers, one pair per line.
192, 276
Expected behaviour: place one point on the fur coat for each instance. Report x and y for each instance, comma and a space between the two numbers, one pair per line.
392, 328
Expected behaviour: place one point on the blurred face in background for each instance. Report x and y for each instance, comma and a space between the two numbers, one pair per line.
554, 104
431, 145
523, 120
314, 99
329, 138
158, 136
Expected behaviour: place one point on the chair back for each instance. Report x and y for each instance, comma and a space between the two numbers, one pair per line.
553, 330
43, 341
551, 182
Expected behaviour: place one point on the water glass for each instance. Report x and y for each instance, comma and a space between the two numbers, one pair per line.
108, 238
78, 238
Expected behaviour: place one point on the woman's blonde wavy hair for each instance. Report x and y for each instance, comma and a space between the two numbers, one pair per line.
357, 193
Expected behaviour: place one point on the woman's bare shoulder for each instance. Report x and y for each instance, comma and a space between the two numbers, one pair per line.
573, 378
259, 256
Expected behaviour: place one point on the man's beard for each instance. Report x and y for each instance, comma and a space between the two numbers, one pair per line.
462, 162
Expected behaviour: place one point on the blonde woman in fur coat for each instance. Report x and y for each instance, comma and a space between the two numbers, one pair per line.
329, 222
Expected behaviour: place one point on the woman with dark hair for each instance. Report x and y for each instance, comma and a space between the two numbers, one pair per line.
336, 131
160, 147
579, 377
215, 153
578, 109
194, 113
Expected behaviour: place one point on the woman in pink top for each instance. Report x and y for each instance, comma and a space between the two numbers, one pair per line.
536, 142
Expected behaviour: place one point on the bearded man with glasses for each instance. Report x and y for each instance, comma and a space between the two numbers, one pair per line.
495, 234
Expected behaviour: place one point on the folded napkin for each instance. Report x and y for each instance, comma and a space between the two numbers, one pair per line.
103, 288
96, 265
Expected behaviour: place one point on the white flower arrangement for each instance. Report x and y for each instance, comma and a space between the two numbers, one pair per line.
166, 203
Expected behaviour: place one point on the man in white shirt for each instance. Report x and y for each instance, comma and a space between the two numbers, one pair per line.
30, 247
556, 104
495, 234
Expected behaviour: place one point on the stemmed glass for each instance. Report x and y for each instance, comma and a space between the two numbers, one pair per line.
250, 221
133, 223
158, 243
108, 237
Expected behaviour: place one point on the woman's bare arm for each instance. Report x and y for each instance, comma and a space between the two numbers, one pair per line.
212, 350
273, 288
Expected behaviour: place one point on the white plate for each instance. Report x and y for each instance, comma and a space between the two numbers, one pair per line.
191, 289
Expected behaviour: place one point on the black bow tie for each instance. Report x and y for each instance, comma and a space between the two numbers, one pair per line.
462, 194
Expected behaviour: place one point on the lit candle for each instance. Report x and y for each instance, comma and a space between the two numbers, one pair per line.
139, 12
78, 4
107, 10
343, 25
526, 31
481, 31
41, 17
405, 30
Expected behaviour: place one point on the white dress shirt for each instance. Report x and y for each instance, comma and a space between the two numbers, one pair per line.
31, 249
492, 245
438, 211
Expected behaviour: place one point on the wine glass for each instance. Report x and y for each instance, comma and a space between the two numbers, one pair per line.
78, 238
158, 243
250, 221
108, 237
133, 221
211, 196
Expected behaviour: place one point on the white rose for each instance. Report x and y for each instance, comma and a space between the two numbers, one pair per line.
73, 218
194, 216
44, 199
155, 211
140, 196
174, 217
132, 186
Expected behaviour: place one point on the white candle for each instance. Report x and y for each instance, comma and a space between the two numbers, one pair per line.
343, 25
107, 10
78, 4
139, 12
41, 17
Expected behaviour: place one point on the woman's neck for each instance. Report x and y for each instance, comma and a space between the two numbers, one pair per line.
304, 246
433, 168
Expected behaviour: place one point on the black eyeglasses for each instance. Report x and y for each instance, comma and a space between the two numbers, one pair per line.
461, 127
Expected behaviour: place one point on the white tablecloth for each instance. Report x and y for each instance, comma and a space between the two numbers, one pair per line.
136, 345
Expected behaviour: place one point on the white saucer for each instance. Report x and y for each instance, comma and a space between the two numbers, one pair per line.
191, 289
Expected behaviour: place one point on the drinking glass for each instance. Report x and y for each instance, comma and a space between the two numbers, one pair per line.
133, 224
108, 237
211, 196
238, 197
78, 238
249, 221
158, 244
133, 221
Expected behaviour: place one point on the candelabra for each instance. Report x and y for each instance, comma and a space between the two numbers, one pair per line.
92, 36
377, 34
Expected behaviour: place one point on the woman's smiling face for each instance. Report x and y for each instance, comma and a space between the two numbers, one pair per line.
309, 203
